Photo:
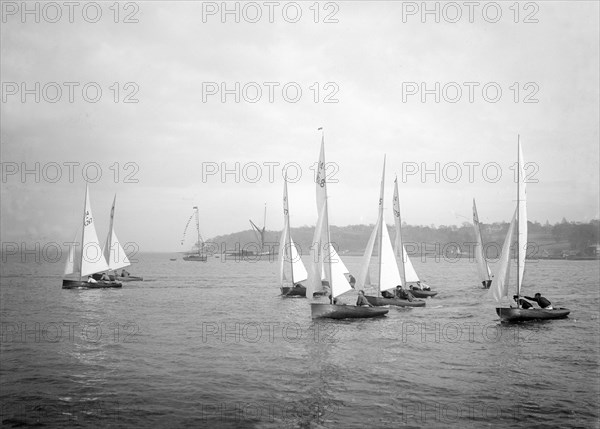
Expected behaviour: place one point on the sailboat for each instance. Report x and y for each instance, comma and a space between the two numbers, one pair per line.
198, 256
485, 274
388, 274
409, 275
289, 254
499, 288
89, 259
115, 254
323, 261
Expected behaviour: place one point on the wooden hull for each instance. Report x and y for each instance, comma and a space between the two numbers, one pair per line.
380, 301
195, 258
294, 292
330, 311
76, 284
418, 293
522, 315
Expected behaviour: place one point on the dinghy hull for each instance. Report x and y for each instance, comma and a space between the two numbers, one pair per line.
418, 293
76, 284
330, 311
126, 279
379, 301
523, 315
294, 292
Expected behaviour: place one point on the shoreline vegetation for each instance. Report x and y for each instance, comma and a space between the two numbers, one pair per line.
564, 240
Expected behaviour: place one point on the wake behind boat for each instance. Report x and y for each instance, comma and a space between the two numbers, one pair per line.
499, 289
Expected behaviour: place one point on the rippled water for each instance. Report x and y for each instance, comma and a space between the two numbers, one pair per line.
214, 345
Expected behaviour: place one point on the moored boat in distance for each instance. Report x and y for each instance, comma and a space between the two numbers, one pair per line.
198, 256
81, 265
323, 262
499, 289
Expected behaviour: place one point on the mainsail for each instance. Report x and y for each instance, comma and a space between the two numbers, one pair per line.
407, 271
499, 288
328, 261
113, 251
90, 259
522, 220
483, 268
287, 248
388, 274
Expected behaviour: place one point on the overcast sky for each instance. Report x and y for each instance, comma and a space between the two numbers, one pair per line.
372, 61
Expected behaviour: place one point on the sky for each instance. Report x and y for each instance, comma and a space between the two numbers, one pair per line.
175, 105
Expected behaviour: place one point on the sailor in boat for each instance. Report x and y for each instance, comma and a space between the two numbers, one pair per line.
525, 305
298, 285
105, 277
91, 280
541, 301
124, 273
387, 294
362, 300
351, 280
335, 301
422, 287
403, 294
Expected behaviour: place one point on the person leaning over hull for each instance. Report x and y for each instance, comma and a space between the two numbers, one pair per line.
525, 305
541, 301
361, 300
403, 294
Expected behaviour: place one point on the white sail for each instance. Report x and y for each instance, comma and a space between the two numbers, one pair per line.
339, 283
389, 275
298, 270
364, 278
522, 218
398, 223
282, 252
321, 195
92, 258
499, 288
410, 273
113, 251
315, 284
483, 268
336, 258
72, 265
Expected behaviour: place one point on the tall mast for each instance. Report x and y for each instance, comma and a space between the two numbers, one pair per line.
518, 215
381, 225
400, 242
198, 242
83, 228
286, 213
480, 236
322, 169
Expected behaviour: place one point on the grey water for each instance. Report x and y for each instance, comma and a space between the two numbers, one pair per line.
214, 345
